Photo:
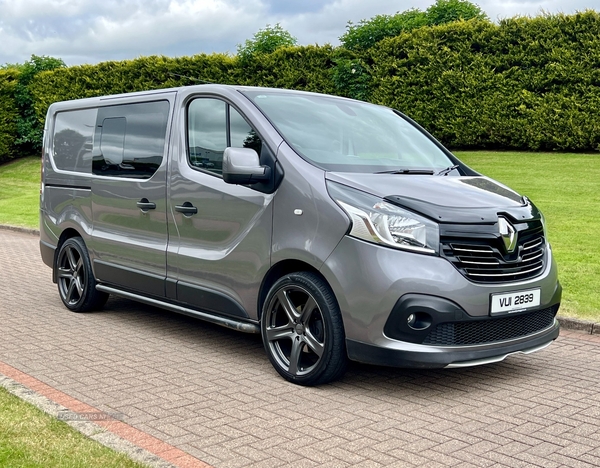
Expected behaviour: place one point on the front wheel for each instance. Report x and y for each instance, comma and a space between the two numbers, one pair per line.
76, 282
302, 330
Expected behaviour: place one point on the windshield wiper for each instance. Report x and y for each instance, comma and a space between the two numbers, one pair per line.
448, 170
407, 171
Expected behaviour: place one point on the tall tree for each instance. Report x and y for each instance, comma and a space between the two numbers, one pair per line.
448, 11
265, 41
368, 32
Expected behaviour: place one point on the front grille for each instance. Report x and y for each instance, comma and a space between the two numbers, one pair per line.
483, 257
490, 330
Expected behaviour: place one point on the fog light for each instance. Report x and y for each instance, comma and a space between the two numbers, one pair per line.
419, 321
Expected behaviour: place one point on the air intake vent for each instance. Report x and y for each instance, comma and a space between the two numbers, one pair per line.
491, 330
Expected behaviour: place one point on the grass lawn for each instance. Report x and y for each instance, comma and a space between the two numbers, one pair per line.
31, 438
20, 192
566, 187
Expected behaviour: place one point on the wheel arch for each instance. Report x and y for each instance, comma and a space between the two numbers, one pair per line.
278, 270
64, 236
306, 346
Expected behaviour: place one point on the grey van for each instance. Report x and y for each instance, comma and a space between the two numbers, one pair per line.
338, 230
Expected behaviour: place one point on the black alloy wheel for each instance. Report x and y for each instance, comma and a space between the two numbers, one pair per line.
302, 330
76, 282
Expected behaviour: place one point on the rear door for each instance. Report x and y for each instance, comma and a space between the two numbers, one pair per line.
129, 166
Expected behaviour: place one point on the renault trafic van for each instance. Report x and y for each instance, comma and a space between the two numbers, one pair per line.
338, 230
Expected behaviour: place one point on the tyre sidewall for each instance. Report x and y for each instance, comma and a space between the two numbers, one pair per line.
90, 297
333, 332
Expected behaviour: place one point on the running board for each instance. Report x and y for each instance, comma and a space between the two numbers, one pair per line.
226, 322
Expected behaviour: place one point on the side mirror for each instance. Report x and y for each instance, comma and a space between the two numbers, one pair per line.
242, 166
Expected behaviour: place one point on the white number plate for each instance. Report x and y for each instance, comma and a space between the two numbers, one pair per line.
514, 301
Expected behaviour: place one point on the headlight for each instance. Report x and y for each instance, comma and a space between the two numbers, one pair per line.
375, 220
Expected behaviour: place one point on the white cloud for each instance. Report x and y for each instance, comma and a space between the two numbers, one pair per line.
499, 9
131, 29
88, 31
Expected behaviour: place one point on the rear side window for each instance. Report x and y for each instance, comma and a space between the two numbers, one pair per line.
129, 139
74, 140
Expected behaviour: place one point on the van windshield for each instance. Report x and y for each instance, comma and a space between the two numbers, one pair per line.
349, 136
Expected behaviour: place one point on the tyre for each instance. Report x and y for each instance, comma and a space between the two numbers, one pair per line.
302, 330
76, 282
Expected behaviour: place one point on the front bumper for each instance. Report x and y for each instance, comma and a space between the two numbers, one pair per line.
431, 357
379, 288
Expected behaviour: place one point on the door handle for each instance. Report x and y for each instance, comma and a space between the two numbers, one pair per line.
187, 209
146, 205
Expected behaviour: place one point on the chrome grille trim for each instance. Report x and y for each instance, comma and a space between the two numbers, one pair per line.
473, 249
481, 256
534, 256
480, 263
505, 274
533, 244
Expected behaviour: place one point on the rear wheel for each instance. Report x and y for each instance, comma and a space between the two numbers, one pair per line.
76, 282
302, 330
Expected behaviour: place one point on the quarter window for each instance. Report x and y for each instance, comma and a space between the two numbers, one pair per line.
242, 134
214, 125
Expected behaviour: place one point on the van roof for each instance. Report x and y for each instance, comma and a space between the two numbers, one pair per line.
157, 92
216, 88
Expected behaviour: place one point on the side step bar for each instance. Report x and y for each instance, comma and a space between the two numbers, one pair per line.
226, 322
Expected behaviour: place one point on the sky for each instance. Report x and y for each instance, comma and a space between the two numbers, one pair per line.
92, 31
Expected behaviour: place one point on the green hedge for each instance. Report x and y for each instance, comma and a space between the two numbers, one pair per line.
307, 68
8, 114
141, 74
527, 83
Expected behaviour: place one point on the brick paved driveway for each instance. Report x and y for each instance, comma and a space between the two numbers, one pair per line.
212, 392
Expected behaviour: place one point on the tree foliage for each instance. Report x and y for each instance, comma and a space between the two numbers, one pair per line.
307, 68
265, 41
144, 73
367, 33
20, 128
8, 113
525, 83
448, 11
29, 128
352, 75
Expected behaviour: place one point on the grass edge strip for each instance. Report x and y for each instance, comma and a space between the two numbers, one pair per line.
139, 446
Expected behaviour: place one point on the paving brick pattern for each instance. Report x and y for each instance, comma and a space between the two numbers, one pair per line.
212, 393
